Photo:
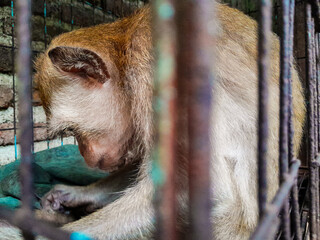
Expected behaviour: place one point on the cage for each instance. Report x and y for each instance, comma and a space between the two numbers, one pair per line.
298, 200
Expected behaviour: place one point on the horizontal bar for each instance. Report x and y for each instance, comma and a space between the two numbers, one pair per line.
10, 129
33, 225
272, 210
15, 48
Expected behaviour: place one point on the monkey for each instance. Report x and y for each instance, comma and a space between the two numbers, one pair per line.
98, 82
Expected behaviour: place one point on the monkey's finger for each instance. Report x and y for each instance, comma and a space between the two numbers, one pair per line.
46, 201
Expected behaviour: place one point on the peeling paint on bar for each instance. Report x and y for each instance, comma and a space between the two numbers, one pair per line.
166, 107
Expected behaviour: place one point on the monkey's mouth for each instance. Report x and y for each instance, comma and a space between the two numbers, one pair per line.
105, 165
106, 156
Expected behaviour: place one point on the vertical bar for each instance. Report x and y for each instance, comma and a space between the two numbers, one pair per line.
294, 193
45, 22
312, 168
196, 30
315, 117
60, 16
290, 120
284, 98
314, 70
25, 107
45, 45
13, 83
71, 10
166, 111
317, 39
264, 30
93, 11
61, 135
317, 68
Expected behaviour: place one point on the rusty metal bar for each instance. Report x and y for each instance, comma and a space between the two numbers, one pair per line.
23, 63
295, 216
290, 122
264, 30
195, 25
310, 108
30, 224
317, 40
13, 82
166, 106
315, 119
284, 110
314, 70
272, 211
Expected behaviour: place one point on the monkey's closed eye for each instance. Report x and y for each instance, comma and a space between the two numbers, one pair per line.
65, 132
69, 131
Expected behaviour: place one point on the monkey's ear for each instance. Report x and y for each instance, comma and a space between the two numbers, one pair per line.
79, 62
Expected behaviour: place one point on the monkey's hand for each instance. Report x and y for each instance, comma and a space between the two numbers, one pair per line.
71, 200
82, 200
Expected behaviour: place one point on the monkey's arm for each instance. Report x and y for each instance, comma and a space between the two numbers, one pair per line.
129, 217
81, 200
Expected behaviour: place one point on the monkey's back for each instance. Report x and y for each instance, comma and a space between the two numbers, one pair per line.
235, 121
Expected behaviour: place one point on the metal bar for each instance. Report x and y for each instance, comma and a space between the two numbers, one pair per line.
13, 82
45, 36
284, 110
295, 216
23, 63
312, 169
317, 68
314, 70
272, 211
61, 135
30, 224
317, 39
9, 129
264, 30
195, 24
315, 119
166, 106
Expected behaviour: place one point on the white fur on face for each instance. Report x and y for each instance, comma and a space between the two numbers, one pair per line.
95, 109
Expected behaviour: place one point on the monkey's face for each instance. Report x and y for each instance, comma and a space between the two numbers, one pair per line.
80, 91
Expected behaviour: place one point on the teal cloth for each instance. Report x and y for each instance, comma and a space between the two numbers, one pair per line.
61, 165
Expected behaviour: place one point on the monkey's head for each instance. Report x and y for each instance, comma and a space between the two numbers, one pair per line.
97, 82
82, 91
